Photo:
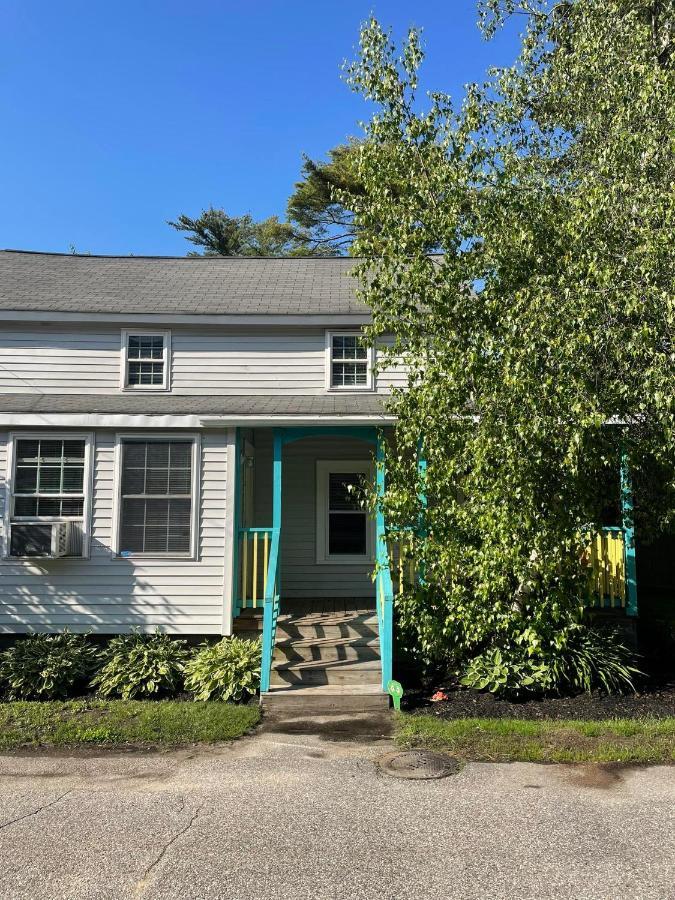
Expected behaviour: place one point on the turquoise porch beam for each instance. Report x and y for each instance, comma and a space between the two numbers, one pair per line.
358, 432
627, 521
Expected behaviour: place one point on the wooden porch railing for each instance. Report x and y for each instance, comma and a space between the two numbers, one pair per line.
253, 556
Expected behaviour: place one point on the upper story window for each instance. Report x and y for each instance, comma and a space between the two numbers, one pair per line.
146, 360
47, 506
349, 362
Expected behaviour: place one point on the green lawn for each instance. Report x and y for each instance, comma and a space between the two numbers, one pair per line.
135, 722
513, 740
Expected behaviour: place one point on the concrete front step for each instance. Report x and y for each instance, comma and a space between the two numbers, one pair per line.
324, 700
343, 672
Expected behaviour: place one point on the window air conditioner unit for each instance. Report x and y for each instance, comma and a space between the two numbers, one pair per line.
50, 540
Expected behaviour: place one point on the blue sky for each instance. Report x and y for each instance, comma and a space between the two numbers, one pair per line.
117, 116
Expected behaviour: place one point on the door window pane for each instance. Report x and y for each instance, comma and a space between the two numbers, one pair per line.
347, 521
347, 534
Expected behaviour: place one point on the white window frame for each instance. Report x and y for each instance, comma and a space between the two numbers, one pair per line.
195, 487
87, 486
166, 359
370, 362
324, 468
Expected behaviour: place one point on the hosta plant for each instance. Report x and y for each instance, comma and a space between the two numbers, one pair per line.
141, 666
47, 666
228, 670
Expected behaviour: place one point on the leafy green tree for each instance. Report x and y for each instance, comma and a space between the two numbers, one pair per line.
540, 342
218, 234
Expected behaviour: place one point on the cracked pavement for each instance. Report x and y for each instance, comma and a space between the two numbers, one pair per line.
286, 814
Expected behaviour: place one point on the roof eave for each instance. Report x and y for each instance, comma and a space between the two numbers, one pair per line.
243, 319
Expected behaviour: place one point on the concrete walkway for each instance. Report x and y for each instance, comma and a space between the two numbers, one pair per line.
286, 814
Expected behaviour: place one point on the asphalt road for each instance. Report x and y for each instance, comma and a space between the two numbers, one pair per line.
284, 815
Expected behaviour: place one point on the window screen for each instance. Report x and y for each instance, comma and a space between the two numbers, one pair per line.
145, 360
347, 522
49, 478
349, 361
156, 513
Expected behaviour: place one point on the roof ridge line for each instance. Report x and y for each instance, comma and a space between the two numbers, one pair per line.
187, 258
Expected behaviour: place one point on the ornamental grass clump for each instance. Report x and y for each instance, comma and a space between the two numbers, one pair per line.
47, 666
138, 666
228, 670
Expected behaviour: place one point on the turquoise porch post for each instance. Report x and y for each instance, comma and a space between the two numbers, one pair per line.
384, 588
629, 536
272, 593
236, 598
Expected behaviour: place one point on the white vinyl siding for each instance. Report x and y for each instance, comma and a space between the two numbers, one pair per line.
210, 360
105, 594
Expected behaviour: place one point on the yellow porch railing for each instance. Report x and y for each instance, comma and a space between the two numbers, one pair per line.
606, 560
253, 559
401, 562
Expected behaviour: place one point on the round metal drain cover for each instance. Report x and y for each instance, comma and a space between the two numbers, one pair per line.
418, 764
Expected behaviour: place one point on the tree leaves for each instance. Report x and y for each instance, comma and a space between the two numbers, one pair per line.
540, 341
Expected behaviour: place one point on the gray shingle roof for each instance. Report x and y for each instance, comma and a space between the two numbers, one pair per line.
177, 404
176, 285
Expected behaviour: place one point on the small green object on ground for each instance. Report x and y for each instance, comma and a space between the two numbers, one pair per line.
396, 690
519, 740
154, 723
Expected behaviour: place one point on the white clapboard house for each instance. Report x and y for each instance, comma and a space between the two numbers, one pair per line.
178, 437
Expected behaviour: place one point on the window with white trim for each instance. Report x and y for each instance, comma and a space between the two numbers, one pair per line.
146, 360
48, 484
344, 527
350, 363
157, 497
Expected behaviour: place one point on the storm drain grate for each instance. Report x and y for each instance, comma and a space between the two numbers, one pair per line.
418, 764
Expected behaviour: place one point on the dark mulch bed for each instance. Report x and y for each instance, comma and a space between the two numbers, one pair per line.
656, 701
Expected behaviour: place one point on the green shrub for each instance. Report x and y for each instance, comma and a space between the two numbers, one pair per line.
586, 659
228, 670
47, 666
141, 665
501, 671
